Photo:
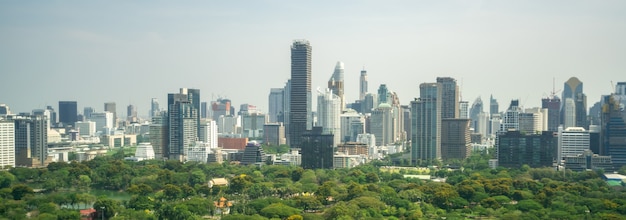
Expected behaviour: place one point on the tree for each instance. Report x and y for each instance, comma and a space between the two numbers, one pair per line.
172, 192
240, 183
20, 191
279, 210
6, 179
106, 207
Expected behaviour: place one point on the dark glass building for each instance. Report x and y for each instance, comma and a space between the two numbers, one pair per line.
300, 93
317, 149
536, 150
68, 112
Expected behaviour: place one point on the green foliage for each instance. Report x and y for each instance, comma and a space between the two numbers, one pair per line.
106, 207
279, 210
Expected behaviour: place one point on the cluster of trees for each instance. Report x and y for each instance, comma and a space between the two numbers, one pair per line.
173, 190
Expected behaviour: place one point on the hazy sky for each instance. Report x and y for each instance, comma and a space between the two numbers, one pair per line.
130, 51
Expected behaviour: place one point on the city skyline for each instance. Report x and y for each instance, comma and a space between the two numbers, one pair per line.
80, 53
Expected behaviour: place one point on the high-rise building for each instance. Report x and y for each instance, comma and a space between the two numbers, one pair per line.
329, 111
383, 94
573, 141
477, 108
68, 112
87, 112
274, 134
204, 110
252, 124
511, 117
369, 103
363, 85
183, 128
300, 93
31, 141
515, 149
7, 143
336, 85
352, 124
154, 107
53, 116
131, 113
193, 95
449, 97
613, 129
159, 135
317, 149
111, 107
569, 113
426, 122
494, 108
221, 107
464, 109
208, 132
573, 89
276, 104
44, 113
406, 110
4, 109
381, 124
553, 104
86, 128
104, 122
455, 138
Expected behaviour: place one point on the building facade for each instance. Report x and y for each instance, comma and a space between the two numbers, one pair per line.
300, 119
426, 123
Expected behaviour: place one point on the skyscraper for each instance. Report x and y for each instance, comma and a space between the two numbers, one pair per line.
154, 107
183, 127
475, 110
204, 110
87, 112
335, 84
131, 113
363, 85
553, 104
383, 94
381, 124
276, 107
111, 107
426, 123
464, 109
317, 149
613, 128
573, 89
449, 97
300, 92
7, 143
31, 141
493, 106
329, 111
455, 138
68, 112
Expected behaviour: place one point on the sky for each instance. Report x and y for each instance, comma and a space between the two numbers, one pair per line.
131, 51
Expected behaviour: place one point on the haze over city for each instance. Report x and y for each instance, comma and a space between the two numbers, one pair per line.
129, 52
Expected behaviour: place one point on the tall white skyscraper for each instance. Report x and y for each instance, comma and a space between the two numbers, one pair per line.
363, 85
7, 143
328, 113
569, 116
104, 121
352, 124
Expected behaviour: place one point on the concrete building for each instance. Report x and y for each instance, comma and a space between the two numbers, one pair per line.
232, 143
208, 132
222, 107
31, 141
7, 143
228, 124
119, 140
381, 124
341, 161
86, 128
317, 149
352, 124
455, 138
370, 141
426, 123
464, 109
252, 124
154, 107
4, 110
131, 114
369, 103
198, 152
589, 161
353, 148
274, 134
111, 107
329, 111
575, 109
569, 113
276, 104
144, 151
159, 135
573, 141
104, 122
363, 85
300, 119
